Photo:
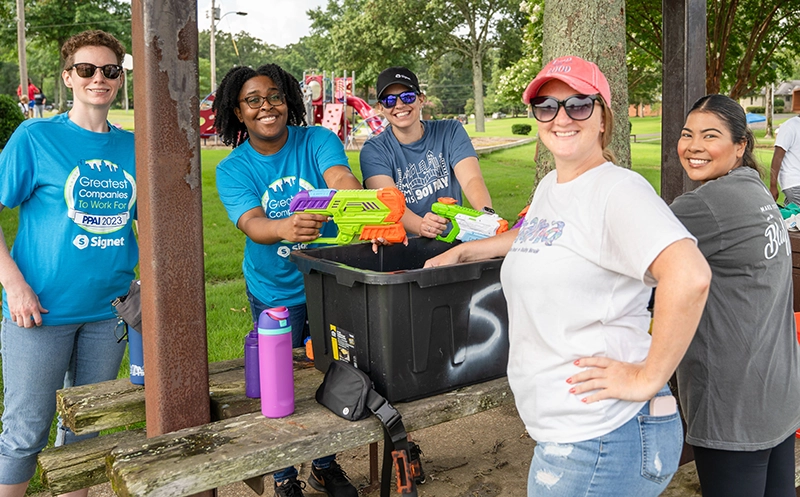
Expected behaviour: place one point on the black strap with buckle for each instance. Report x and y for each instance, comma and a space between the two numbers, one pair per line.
395, 447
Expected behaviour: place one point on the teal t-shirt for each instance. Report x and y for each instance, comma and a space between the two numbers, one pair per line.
247, 179
76, 192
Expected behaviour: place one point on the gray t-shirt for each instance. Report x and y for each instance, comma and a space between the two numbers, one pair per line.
739, 382
423, 170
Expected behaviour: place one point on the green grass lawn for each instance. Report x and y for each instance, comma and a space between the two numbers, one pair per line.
509, 175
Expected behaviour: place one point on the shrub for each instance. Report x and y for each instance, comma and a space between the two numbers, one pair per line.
10, 118
521, 129
779, 102
761, 110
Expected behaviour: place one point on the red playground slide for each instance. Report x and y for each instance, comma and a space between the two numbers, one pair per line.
367, 113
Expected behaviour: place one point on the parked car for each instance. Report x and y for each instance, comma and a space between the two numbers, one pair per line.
498, 115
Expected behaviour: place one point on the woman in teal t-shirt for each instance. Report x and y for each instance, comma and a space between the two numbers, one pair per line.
261, 114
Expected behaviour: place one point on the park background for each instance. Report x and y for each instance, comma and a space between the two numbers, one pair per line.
753, 49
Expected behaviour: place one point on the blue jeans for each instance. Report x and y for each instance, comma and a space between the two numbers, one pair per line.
297, 319
37, 362
637, 459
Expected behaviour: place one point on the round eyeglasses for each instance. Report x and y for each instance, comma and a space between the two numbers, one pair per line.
257, 101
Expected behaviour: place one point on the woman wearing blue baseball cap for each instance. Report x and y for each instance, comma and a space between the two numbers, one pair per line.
588, 380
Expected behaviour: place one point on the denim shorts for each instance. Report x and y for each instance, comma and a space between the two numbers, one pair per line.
637, 459
37, 362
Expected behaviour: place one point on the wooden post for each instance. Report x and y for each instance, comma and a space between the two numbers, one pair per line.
684, 81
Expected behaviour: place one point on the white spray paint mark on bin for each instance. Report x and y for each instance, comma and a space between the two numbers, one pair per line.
476, 311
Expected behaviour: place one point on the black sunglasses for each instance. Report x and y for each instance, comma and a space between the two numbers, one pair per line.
256, 101
86, 70
389, 101
577, 107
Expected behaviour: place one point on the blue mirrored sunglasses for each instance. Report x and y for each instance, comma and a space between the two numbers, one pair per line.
389, 101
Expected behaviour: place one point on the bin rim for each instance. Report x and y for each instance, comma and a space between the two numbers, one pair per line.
424, 277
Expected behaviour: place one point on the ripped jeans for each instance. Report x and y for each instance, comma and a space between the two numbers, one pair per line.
637, 459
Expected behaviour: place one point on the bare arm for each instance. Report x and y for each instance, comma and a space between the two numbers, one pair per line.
298, 228
430, 225
477, 250
23, 303
777, 159
341, 178
468, 173
683, 280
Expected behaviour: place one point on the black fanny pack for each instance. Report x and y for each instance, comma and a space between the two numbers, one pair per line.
347, 392
129, 307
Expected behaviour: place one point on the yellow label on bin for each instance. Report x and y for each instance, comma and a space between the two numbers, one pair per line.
334, 343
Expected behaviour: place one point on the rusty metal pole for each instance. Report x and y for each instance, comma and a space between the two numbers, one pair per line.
164, 34
684, 81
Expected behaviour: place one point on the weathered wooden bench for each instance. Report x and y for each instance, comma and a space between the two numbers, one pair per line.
239, 445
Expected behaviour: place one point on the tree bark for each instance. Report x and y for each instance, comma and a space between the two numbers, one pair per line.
594, 31
477, 90
769, 110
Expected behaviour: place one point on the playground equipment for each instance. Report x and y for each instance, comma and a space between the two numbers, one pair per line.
207, 117
327, 100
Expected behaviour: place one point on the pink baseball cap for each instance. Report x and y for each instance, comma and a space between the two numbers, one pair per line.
582, 75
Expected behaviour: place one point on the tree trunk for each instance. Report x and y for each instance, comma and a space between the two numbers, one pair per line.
594, 31
477, 90
768, 110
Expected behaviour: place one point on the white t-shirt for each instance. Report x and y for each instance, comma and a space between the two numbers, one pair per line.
789, 139
577, 285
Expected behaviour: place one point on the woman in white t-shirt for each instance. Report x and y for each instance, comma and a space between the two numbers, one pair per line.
588, 380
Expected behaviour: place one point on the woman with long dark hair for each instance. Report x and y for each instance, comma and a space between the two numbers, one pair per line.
739, 383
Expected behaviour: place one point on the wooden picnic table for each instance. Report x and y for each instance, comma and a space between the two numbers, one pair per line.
240, 443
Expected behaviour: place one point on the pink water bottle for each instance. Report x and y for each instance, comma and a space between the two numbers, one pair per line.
275, 363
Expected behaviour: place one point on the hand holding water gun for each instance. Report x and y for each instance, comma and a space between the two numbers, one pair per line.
369, 214
468, 224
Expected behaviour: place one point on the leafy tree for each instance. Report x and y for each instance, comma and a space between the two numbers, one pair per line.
230, 50
471, 30
750, 43
9, 78
367, 36
296, 58
450, 80
51, 22
510, 81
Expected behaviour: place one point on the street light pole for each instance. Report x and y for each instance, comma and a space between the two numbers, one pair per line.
23, 63
213, 47
215, 18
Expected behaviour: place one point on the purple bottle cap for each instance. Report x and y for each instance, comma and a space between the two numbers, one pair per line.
274, 321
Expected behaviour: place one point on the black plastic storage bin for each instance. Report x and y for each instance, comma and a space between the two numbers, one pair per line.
416, 332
